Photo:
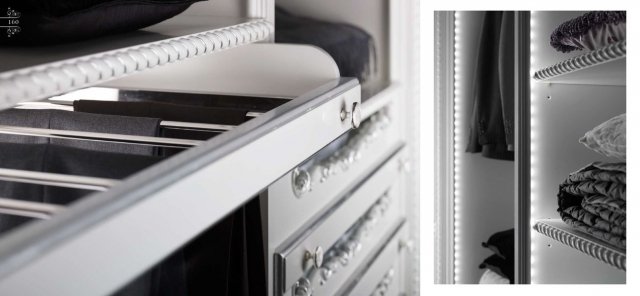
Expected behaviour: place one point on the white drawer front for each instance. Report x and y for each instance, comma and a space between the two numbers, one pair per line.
360, 220
327, 178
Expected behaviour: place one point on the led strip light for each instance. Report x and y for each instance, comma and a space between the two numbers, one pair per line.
533, 148
457, 148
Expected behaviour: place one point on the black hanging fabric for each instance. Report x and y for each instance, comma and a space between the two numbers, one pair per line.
226, 259
351, 47
170, 112
493, 90
164, 111
62, 160
78, 121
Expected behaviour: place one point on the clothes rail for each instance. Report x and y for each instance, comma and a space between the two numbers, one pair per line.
29, 209
60, 180
164, 123
99, 137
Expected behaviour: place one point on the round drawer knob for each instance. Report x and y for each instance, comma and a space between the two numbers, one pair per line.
406, 244
302, 288
353, 114
356, 115
316, 256
301, 182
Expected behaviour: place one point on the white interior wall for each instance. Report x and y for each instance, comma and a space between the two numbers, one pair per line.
487, 185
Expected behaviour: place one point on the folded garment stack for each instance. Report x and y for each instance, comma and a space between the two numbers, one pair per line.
593, 200
499, 266
593, 30
351, 47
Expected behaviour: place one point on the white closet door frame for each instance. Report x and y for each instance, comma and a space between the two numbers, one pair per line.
444, 88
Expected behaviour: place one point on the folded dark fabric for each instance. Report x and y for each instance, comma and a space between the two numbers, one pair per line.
503, 267
502, 244
493, 94
164, 111
49, 22
592, 30
351, 47
593, 200
78, 121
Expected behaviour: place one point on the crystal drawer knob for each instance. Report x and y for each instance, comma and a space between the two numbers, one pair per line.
301, 182
302, 288
406, 244
353, 114
316, 256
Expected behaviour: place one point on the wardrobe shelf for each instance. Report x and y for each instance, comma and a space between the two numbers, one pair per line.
598, 249
32, 73
605, 66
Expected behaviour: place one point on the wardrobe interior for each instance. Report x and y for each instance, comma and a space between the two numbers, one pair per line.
251, 147
533, 157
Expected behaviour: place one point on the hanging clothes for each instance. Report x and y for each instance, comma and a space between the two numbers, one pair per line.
493, 89
164, 111
78, 121
234, 102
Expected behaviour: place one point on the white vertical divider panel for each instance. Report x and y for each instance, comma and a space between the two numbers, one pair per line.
403, 64
444, 88
560, 115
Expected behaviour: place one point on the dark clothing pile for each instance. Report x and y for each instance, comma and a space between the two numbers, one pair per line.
593, 200
502, 261
351, 47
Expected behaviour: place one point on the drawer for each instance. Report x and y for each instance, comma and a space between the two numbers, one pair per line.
319, 181
335, 244
381, 275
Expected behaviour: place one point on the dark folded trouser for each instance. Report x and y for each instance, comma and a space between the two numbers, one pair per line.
169, 112
61, 160
164, 111
593, 200
78, 121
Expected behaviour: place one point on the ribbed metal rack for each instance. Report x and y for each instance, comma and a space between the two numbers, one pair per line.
600, 250
36, 73
602, 59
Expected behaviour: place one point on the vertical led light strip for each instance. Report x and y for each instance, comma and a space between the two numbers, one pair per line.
457, 148
532, 146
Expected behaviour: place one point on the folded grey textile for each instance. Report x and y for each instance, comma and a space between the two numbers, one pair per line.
78, 121
592, 30
351, 47
593, 200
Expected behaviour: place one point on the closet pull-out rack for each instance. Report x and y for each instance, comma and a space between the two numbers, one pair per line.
69, 181
100, 137
166, 205
28, 208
